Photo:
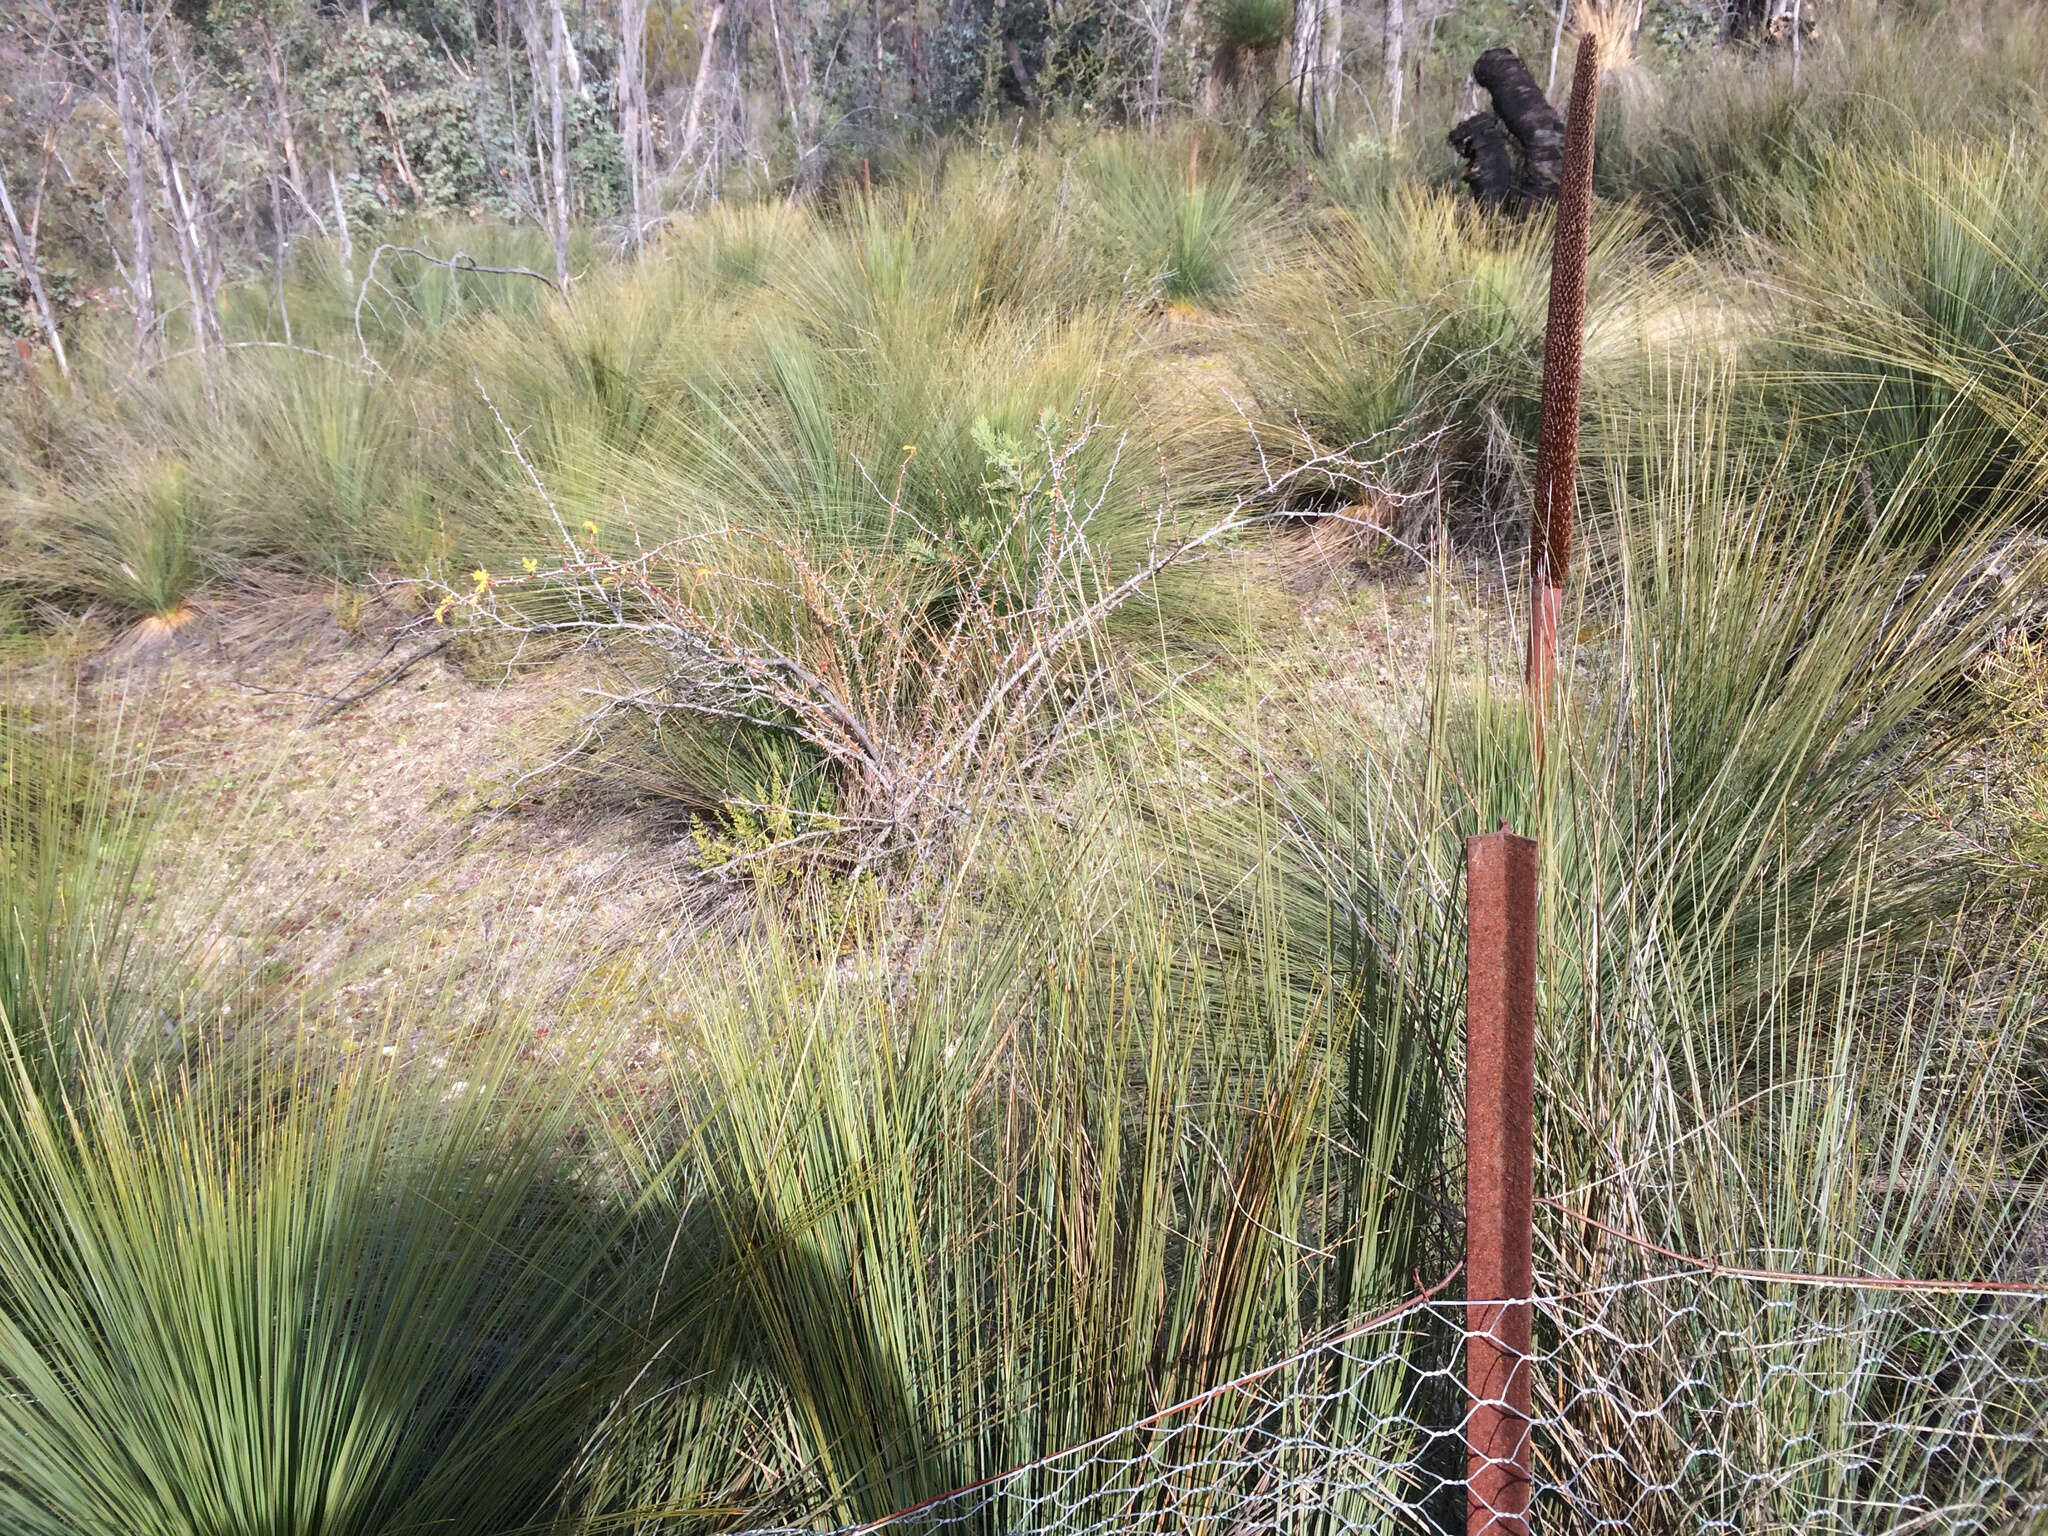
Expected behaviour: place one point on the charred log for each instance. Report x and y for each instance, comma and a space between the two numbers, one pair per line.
1489, 163
1527, 114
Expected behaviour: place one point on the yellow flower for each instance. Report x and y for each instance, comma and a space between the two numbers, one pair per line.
910, 447
590, 528
531, 564
481, 577
441, 608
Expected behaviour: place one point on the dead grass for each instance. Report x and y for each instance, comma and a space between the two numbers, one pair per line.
380, 854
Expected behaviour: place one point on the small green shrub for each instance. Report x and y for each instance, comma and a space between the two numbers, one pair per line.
1255, 25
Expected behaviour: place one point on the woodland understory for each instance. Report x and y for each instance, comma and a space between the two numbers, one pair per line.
735, 740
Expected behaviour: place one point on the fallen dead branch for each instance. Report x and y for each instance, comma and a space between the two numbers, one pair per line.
931, 676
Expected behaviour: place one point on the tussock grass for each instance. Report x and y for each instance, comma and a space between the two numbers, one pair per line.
1917, 332
1415, 322
1738, 146
963, 1198
1175, 217
1152, 1077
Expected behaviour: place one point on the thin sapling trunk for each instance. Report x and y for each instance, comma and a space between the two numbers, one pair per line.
32, 274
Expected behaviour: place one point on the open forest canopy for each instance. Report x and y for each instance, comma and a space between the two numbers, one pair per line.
736, 737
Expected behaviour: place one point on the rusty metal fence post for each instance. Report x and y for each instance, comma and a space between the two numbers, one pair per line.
1500, 1109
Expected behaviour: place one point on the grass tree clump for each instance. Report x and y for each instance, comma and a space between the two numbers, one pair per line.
253, 1286
136, 543
960, 1202
72, 839
1764, 1031
1419, 320
1174, 216
289, 1299
1918, 322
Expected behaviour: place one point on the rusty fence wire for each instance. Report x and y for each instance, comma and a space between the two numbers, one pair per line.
1680, 1398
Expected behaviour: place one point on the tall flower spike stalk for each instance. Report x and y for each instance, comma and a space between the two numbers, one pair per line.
1564, 339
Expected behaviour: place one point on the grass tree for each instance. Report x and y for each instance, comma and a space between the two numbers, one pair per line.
1564, 340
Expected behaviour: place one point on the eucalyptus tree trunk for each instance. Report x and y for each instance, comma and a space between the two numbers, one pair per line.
559, 53
547, 45
1329, 62
796, 131
1317, 31
184, 206
287, 138
1393, 61
693, 120
633, 108
32, 274
141, 268
348, 267
192, 253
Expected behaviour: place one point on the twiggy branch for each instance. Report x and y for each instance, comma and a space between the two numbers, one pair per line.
461, 261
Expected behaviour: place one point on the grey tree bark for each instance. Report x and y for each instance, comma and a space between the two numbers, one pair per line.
547, 44
348, 269
1393, 59
693, 120
561, 62
633, 108
796, 131
32, 274
191, 249
287, 138
186, 215
1318, 32
141, 265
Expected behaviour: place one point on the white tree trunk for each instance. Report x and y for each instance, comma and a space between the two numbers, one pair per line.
142, 259
32, 274
348, 267
547, 43
796, 131
633, 109
1393, 64
1318, 33
558, 129
693, 120
1394, 59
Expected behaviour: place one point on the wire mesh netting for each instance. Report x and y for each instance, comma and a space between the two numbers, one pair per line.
1685, 1400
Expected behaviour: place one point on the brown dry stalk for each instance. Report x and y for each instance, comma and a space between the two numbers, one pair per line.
1564, 339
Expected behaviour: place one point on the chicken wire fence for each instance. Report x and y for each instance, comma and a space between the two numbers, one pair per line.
1676, 1400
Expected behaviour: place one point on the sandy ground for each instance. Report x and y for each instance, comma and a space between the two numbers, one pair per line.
414, 838
387, 851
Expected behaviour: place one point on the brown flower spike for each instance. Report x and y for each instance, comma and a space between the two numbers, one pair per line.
1557, 441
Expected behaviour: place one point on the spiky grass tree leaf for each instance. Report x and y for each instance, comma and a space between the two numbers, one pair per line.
290, 1299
